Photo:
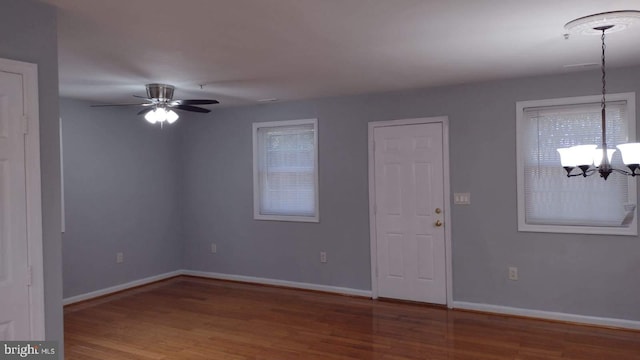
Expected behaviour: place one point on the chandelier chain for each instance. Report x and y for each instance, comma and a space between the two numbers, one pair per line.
604, 73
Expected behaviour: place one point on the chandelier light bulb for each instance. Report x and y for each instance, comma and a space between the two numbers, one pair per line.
584, 154
567, 157
630, 153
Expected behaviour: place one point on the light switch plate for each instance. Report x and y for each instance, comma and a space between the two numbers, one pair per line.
462, 198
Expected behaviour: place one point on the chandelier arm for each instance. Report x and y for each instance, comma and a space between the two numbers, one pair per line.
624, 172
583, 172
574, 175
633, 168
594, 170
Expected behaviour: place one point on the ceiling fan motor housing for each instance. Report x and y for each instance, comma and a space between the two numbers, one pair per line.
162, 92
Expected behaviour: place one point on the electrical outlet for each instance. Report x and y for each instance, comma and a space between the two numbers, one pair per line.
323, 257
214, 248
513, 273
119, 258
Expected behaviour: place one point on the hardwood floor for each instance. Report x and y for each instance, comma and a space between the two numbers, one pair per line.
191, 318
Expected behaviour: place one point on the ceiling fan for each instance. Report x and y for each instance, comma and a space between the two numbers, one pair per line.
159, 104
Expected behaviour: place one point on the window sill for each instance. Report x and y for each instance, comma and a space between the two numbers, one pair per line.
564, 229
314, 219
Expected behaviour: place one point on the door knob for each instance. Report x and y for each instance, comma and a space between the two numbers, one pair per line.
438, 223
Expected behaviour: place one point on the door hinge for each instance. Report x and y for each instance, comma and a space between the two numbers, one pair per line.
25, 124
29, 275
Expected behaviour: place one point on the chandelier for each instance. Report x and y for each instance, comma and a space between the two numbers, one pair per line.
589, 159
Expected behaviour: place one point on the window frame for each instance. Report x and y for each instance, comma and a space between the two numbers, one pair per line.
257, 191
521, 106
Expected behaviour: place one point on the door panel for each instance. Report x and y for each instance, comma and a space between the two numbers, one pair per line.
392, 174
395, 256
409, 187
14, 302
425, 257
422, 174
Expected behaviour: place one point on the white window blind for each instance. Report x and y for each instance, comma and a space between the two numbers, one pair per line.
285, 170
572, 204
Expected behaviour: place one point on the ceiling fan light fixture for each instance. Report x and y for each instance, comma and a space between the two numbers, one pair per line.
171, 116
151, 117
156, 115
160, 115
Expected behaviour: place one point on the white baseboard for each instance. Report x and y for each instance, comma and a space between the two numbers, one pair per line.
219, 276
113, 289
285, 283
549, 315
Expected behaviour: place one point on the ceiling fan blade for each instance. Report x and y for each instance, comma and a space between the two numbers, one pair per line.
144, 111
142, 97
190, 108
103, 105
194, 102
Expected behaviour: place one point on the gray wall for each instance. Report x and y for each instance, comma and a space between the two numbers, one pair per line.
582, 274
197, 178
28, 33
218, 198
121, 185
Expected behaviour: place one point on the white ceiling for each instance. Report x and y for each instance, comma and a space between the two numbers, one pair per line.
242, 51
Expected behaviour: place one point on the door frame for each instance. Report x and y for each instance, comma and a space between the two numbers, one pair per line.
444, 120
31, 121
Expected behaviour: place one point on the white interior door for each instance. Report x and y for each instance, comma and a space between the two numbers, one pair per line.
409, 212
14, 262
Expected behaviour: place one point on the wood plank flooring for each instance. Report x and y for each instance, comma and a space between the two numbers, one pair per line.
191, 318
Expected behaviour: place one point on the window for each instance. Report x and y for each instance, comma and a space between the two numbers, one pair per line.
285, 170
549, 201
